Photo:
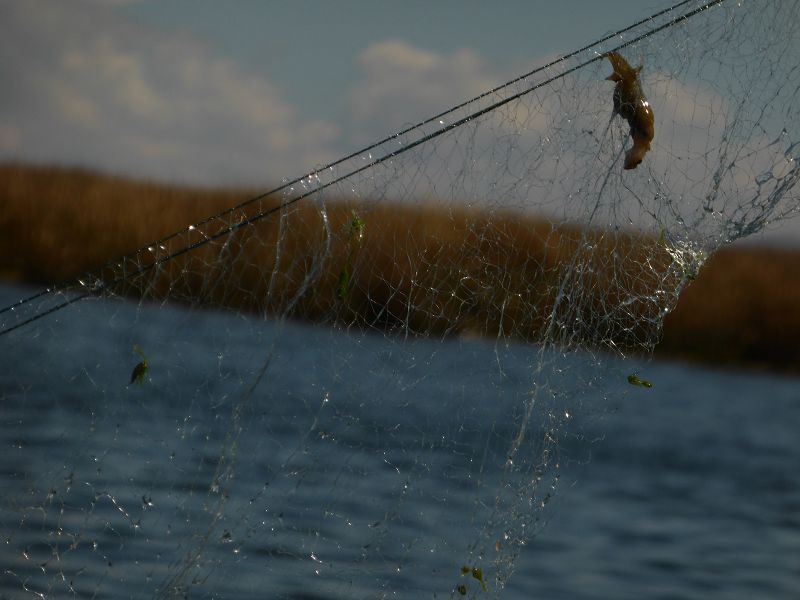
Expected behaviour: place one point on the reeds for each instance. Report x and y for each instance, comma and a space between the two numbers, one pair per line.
743, 308
426, 270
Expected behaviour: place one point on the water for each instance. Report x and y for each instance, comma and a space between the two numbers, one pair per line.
693, 493
363, 466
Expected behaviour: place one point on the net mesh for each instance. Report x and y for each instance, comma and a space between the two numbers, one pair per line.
473, 283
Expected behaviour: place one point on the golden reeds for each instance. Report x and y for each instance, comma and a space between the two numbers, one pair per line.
442, 272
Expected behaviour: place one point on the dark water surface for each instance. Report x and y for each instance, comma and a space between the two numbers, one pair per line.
285, 461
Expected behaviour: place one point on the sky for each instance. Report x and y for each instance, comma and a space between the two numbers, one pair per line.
247, 92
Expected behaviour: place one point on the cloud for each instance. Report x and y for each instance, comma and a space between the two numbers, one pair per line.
401, 84
91, 87
88, 87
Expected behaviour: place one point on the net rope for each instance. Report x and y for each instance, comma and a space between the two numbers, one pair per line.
367, 150
477, 284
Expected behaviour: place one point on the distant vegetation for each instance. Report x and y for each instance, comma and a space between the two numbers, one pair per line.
453, 272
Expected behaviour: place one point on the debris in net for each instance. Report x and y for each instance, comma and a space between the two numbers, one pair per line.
140, 370
356, 236
634, 379
476, 573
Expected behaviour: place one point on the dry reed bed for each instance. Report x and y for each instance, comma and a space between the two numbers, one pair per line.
435, 271
743, 309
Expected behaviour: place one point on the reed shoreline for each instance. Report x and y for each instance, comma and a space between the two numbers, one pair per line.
742, 310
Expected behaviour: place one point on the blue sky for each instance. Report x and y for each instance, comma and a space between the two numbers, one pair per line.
246, 92
313, 47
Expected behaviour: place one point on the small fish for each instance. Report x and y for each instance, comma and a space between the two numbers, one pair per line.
140, 370
631, 104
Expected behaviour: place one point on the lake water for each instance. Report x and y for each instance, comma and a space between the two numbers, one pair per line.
264, 460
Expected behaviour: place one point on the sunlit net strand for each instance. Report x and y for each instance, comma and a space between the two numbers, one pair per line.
97, 285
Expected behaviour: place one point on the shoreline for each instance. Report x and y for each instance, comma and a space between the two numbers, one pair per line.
742, 310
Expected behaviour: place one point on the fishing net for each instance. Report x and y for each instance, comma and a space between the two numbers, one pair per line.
364, 383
